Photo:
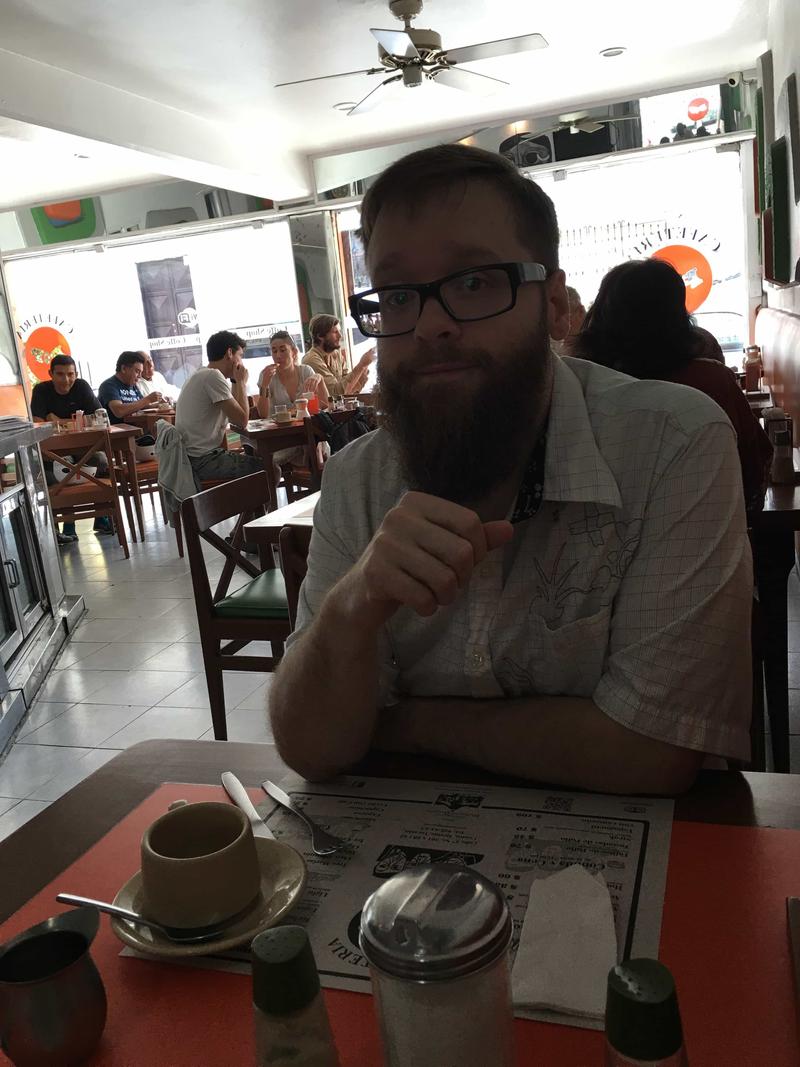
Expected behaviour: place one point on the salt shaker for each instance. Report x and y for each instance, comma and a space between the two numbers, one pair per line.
292, 1027
437, 940
643, 1022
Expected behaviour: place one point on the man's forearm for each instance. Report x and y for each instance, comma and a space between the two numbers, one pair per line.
324, 698
565, 741
121, 408
356, 379
239, 391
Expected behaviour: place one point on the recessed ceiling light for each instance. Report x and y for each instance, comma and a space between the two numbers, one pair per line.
79, 156
610, 53
344, 105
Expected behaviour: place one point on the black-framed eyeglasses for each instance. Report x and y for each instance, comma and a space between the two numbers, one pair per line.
466, 296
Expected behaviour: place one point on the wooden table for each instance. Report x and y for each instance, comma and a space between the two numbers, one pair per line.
267, 438
38, 852
122, 438
123, 444
265, 530
34, 855
147, 418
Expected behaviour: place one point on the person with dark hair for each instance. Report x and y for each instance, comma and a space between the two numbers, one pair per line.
119, 395
63, 395
326, 358
211, 398
535, 564
682, 132
639, 325
58, 400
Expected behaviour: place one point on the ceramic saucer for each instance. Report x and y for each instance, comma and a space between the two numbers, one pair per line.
283, 878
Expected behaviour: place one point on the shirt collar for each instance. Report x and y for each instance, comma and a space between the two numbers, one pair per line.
574, 468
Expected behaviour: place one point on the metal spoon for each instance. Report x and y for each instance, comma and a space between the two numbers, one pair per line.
188, 936
322, 842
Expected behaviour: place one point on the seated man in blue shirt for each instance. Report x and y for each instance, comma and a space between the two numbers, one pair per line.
119, 395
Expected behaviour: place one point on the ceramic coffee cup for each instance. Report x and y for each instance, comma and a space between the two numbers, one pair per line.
199, 865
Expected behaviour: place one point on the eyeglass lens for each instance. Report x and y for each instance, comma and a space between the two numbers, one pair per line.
477, 295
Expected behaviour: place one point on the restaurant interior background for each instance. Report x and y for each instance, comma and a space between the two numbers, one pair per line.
168, 264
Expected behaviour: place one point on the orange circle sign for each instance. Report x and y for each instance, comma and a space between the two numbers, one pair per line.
698, 109
40, 347
693, 267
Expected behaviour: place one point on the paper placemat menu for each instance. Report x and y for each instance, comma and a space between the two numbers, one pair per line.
512, 836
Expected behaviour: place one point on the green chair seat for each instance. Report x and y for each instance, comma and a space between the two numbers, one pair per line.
262, 598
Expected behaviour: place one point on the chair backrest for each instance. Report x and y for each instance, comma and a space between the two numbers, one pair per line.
293, 542
243, 499
75, 451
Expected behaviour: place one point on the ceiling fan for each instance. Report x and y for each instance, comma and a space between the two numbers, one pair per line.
412, 56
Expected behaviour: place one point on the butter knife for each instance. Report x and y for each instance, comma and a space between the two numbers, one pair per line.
238, 794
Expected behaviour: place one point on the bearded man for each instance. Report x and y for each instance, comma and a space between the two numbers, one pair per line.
536, 565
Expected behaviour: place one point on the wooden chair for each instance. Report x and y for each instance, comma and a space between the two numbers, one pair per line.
293, 542
258, 611
302, 481
82, 495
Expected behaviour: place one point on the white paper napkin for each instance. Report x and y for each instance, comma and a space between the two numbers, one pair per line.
567, 946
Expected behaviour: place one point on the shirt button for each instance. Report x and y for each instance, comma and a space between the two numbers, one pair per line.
477, 659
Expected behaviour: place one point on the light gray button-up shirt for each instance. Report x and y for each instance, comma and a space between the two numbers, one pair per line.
632, 584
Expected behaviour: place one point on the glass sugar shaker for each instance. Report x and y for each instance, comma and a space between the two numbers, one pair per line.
292, 1026
437, 940
643, 1021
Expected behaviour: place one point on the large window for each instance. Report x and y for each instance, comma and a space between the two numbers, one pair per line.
167, 296
683, 206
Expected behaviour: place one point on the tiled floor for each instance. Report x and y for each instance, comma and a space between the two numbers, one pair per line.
133, 670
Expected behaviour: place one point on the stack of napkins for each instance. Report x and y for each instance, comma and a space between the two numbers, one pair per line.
567, 946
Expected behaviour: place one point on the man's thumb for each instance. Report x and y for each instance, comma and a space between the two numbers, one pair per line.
497, 534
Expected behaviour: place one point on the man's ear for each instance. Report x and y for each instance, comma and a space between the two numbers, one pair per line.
557, 305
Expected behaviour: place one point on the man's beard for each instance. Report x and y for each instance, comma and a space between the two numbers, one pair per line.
329, 346
460, 442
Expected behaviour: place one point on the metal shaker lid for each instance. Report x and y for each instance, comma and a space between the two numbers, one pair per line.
430, 924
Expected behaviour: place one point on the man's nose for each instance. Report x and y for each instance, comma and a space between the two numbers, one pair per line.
435, 323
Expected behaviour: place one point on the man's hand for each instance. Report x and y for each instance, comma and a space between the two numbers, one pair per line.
154, 397
423, 553
367, 359
240, 374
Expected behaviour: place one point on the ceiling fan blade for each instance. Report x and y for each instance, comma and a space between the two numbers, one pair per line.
396, 43
373, 98
468, 81
489, 49
327, 77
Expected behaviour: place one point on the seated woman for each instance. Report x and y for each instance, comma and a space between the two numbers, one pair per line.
639, 325
282, 383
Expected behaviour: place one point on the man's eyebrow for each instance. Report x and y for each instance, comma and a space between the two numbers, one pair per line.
479, 253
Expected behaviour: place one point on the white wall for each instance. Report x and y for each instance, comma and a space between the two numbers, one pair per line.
783, 37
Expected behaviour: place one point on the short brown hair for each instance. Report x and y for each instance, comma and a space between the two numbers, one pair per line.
413, 178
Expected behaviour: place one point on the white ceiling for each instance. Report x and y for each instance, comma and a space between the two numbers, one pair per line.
39, 165
191, 82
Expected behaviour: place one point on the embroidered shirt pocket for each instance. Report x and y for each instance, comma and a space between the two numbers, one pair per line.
561, 661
